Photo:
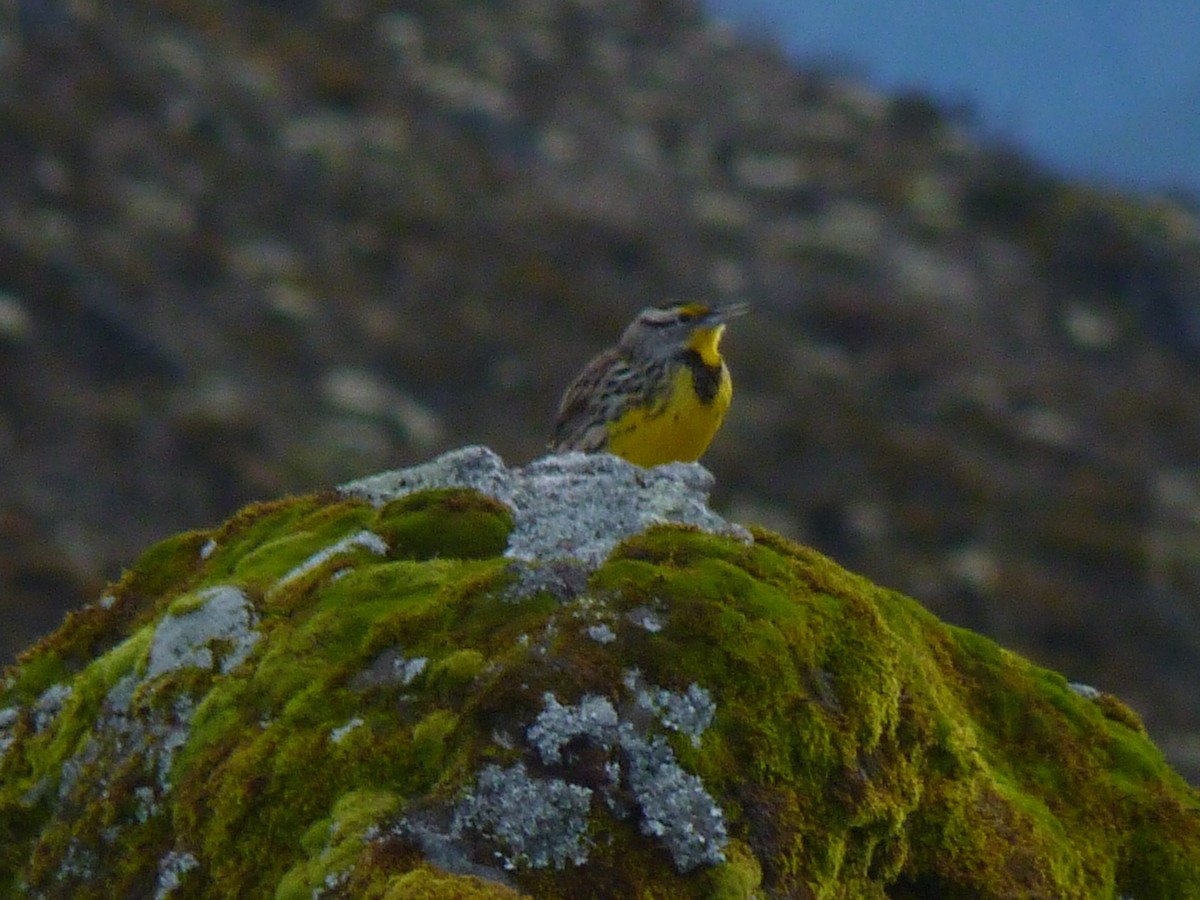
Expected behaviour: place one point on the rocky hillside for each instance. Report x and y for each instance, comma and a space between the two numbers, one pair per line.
251, 248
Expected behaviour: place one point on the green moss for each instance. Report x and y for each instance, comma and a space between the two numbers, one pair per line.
449, 523
430, 739
1116, 711
859, 748
258, 524
426, 883
451, 674
37, 671
280, 553
739, 878
334, 844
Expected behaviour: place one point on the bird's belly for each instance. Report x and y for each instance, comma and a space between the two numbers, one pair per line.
680, 429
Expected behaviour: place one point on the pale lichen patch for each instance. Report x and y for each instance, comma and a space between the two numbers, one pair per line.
367, 540
339, 734
535, 822
601, 633
221, 613
672, 804
690, 712
8, 720
48, 705
171, 871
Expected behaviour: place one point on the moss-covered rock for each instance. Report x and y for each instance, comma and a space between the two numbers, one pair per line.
413, 689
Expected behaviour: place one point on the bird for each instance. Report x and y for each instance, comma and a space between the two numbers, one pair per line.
658, 395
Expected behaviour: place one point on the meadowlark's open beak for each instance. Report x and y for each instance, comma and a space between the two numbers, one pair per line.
723, 314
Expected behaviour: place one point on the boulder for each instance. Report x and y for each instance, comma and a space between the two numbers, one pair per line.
567, 680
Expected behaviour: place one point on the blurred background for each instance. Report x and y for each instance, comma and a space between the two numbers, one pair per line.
252, 248
1105, 90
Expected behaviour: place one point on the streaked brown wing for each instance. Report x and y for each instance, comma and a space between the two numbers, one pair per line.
583, 411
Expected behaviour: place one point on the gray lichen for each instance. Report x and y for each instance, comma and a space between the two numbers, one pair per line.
646, 619
689, 713
563, 579
1086, 691
390, 667
593, 718
47, 706
171, 870
337, 735
601, 633
225, 614
9, 716
537, 822
673, 804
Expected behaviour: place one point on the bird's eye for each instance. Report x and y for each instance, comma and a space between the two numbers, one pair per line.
687, 317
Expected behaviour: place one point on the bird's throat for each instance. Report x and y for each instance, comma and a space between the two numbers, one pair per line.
706, 342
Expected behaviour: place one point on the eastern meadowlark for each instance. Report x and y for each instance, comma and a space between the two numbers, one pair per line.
659, 395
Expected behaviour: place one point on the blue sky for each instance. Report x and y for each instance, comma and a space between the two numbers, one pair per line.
1104, 90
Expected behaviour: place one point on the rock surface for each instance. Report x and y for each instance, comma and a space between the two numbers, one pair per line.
403, 689
562, 505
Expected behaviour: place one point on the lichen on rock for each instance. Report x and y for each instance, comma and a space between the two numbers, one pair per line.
569, 679
186, 632
563, 505
538, 822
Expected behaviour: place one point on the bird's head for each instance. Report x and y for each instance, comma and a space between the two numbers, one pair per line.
668, 330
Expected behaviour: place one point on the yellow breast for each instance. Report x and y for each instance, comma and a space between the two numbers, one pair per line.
678, 429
